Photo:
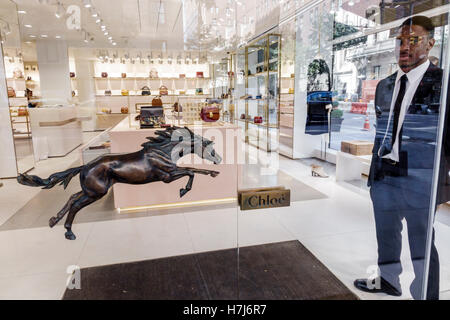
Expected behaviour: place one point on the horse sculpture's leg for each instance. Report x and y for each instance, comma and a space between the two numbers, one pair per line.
54, 220
177, 174
182, 172
79, 204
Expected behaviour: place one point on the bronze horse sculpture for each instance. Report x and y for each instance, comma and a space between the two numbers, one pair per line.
156, 161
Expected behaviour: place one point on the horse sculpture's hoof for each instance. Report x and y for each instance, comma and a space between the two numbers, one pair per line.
52, 222
70, 235
182, 192
214, 174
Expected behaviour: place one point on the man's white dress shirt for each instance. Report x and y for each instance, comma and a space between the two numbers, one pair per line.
414, 77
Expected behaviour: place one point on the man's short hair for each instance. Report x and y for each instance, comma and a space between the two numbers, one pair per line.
422, 21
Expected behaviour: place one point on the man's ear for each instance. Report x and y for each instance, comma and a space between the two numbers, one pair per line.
431, 43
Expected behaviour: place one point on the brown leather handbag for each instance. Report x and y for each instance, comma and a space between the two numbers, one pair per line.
177, 107
108, 93
124, 109
104, 74
72, 74
124, 75
11, 92
22, 112
210, 114
157, 102
163, 91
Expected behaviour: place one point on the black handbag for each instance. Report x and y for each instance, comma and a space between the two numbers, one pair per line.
146, 91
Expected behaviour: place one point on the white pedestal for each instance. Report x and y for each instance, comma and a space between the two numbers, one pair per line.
348, 167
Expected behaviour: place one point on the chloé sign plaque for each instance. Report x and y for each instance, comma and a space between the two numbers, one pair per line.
264, 198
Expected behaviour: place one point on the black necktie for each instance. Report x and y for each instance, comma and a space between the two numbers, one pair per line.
398, 106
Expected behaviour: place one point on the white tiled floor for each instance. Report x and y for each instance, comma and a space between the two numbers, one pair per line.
338, 230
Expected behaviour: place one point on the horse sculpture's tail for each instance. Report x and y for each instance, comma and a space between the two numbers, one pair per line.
63, 177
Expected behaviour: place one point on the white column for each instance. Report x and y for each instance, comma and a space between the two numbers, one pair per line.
85, 73
8, 164
53, 61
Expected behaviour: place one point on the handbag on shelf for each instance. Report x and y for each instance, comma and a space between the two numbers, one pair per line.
177, 107
291, 91
73, 94
11, 92
17, 73
157, 102
257, 119
199, 91
125, 92
108, 93
104, 74
199, 74
210, 114
152, 117
106, 110
124, 110
163, 91
182, 76
182, 92
22, 112
124, 75
153, 74
145, 91
72, 74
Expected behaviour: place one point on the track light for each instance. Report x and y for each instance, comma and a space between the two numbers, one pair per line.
59, 10
87, 3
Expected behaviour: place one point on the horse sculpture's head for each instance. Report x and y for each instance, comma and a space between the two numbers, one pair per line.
177, 142
194, 143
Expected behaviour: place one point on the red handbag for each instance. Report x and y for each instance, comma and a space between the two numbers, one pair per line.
200, 74
163, 91
257, 119
210, 114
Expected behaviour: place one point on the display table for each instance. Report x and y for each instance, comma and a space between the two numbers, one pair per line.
128, 137
55, 130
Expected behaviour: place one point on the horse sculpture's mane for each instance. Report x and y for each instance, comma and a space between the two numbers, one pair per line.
162, 138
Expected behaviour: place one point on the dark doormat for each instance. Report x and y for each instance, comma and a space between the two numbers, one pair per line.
276, 271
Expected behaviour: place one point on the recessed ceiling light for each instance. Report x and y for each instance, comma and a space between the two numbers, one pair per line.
32, 36
87, 3
58, 37
22, 12
114, 44
28, 26
44, 36
110, 38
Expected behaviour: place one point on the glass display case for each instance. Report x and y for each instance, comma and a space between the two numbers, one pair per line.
259, 106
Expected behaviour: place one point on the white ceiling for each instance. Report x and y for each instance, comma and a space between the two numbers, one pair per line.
137, 23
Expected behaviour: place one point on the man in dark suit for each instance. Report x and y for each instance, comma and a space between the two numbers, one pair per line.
407, 106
